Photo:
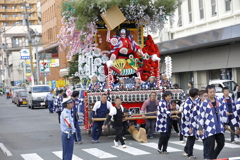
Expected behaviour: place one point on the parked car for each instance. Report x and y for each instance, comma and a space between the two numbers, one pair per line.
21, 98
14, 94
36, 95
219, 84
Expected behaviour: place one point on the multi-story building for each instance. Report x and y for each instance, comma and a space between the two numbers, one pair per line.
17, 39
204, 42
12, 12
14, 33
51, 25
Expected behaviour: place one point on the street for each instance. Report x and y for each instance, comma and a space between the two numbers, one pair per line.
35, 135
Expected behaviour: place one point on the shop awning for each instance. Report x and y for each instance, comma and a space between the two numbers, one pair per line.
50, 49
201, 40
63, 72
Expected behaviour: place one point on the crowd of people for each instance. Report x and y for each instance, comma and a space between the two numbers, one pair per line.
201, 114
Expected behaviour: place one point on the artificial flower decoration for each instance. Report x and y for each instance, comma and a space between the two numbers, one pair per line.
97, 61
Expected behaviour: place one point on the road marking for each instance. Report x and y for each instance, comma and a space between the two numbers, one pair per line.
132, 150
155, 146
99, 153
31, 156
234, 158
196, 146
230, 145
236, 139
5, 150
59, 154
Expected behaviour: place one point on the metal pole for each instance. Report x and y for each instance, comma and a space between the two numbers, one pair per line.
1, 60
7, 55
29, 42
37, 61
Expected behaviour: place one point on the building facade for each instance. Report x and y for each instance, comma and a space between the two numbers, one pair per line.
51, 25
11, 12
19, 66
203, 42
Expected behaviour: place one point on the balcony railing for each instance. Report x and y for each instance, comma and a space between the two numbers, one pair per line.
17, 1
20, 10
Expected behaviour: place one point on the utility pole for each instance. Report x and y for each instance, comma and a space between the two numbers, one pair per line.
29, 40
4, 46
1, 60
37, 58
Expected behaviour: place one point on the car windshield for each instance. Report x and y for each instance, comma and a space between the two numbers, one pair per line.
230, 85
41, 89
23, 94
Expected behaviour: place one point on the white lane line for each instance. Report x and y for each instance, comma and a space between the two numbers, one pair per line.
196, 146
236, 139
59, 154
155, 146
5, 150
230, 145
99, 153
31, 156
132, 150
234, 158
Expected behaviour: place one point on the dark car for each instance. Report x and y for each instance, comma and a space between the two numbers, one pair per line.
14, 94
21, 98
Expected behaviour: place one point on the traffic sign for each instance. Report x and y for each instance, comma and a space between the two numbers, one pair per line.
44, 73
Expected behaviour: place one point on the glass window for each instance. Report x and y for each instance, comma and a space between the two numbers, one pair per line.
230, 85
179, 16
4, 7
14, 15
40, 89
190, 10
227, 5
23, 94
5, 24
201, 10
13, 7
213, 3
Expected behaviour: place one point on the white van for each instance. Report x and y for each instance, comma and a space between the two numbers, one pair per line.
219, 84
36, 95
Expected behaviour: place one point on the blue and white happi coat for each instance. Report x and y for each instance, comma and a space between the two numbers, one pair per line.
211, 123
164, 116
225, 109
58, 103
189, 117
96, 86
236, 120
104, 85
148, 85
168, 82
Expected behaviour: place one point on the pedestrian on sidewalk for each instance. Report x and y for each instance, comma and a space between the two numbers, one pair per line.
58, 104
150, 105
117, 114
164, 121
76, 102
100, 110
189, 127
49, 100
67, 128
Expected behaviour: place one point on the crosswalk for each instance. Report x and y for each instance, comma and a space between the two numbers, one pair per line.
112, 152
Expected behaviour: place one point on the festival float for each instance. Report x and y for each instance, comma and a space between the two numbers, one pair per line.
108, 36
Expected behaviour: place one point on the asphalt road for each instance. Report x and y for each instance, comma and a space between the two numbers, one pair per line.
35, 135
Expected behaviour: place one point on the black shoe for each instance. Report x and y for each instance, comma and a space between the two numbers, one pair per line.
159, 151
